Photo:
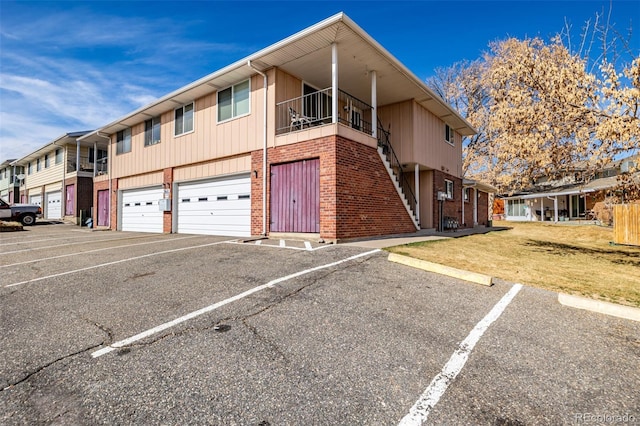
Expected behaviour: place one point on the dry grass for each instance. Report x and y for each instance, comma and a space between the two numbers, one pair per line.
569, 259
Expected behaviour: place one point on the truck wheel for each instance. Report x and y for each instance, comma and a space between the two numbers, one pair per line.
27, 219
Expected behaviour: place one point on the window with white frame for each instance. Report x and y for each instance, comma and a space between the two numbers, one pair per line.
29, 168
466, 193
183, 119
516, 208
58, 156
38, 165
96, 156
448, 134
46, 161
152, 131
234, 101
449, 188
123, 141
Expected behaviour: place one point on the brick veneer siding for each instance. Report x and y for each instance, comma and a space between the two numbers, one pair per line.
451, 208
357, 198
167, 184
483, 208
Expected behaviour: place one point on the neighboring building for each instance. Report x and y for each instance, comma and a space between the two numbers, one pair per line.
9, 182
59, 177
569, 198
324, 132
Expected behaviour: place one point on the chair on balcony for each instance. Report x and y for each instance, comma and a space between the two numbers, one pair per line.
298, 120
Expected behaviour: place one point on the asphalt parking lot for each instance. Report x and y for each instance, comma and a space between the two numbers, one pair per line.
123, 328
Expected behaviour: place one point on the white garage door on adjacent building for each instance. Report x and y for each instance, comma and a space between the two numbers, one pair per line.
215, 207
53, 209
140, 211
35, 199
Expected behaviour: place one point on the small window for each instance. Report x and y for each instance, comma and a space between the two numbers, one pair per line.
448, 134
58, 156
152, 131
38, 165
29, 168
466, 194
234, 101
184, 119
123, 141
449, 188
46, 161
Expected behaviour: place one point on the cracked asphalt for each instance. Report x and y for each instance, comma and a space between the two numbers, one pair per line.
353, 343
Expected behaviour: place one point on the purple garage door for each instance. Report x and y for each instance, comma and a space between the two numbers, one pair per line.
295, 197
103, 208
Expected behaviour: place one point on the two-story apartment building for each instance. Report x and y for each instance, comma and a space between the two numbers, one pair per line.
324, 132
9, 183
59, 177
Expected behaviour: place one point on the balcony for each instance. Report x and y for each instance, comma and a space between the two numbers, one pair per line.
98, 168
315, 109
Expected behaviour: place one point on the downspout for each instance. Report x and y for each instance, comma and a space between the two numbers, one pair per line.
109, 160
264, 150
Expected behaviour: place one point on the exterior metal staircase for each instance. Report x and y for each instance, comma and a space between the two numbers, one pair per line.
394, 168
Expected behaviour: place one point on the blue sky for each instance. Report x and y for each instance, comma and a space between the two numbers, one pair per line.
68, 66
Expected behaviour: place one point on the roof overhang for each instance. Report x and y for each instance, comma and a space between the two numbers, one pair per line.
480, 186
60, 141
308, 54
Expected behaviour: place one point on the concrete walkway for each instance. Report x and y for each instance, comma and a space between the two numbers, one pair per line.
416, 237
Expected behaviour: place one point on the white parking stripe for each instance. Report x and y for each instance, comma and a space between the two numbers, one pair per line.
114, 263
63, 237
307, 245
215, 306
282, 243
75, 244
430, 397
91, 251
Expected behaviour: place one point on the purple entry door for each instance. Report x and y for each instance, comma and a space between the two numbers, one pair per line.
103, 208
68, 208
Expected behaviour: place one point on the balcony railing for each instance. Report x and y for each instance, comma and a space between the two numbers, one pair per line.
315, 109
101, 165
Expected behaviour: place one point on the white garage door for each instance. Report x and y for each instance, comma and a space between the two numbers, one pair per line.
35, 199
140, 211
54, 205
215, 207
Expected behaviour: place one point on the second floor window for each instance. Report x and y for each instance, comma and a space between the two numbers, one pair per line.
123, 141
38, 165
184, 119
46, 161
152, 131
448, 134
29, 168
233, 101
58, 156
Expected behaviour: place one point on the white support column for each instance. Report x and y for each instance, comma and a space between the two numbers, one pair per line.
374, 105
417, 188
464, 190
541, 209
555, 207
475, 206
95, 158
77, 155
334, 82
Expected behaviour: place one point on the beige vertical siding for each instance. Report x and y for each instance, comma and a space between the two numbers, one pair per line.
426, 199
417, 136
213, 168
287, 86
141, 181
209, 139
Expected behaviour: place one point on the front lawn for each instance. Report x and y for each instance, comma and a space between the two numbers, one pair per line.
560, 257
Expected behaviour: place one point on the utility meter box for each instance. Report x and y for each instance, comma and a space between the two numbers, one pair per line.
164, 205
442, 196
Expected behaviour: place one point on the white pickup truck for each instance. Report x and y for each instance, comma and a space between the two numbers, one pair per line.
23, 213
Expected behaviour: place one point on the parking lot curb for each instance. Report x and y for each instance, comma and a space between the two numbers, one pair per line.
441, 269
599, 306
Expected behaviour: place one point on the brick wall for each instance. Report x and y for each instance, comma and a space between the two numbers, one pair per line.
368, 203
357, 198
451, 208
167, 184
483, 208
